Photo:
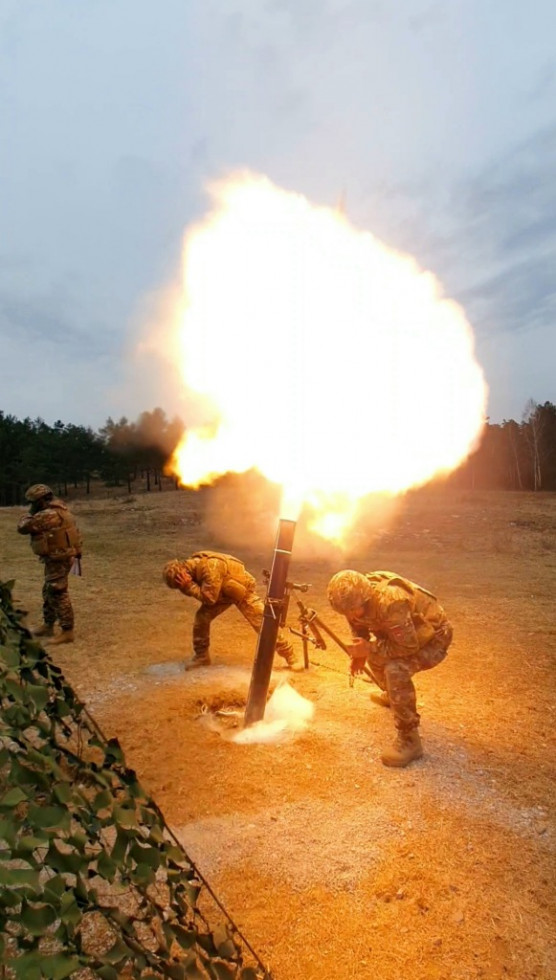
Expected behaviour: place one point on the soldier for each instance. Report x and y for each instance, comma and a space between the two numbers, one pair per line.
398, 629
55, 538
218, 581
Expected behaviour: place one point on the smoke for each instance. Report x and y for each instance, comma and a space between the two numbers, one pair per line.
286, 712
147, 441
245, 508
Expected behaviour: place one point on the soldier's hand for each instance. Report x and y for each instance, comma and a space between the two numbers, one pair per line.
359, 651
183, 579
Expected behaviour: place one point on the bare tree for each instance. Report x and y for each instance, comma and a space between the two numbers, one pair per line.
513, 435
533, 422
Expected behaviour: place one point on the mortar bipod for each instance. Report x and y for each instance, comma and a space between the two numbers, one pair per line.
312, 628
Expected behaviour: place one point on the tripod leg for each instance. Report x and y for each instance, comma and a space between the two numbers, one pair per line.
305, 643
326, 629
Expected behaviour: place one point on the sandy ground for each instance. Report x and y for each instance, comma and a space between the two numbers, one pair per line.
329, 863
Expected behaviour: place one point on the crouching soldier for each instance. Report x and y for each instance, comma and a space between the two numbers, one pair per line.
218, 581
55, 538
398, 629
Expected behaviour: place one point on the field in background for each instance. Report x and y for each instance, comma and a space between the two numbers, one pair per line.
331, 864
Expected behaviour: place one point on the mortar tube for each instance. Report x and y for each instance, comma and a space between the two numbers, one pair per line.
268, 634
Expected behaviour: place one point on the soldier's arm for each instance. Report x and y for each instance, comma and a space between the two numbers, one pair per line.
188, 587
45, 520
25, 525
210, 577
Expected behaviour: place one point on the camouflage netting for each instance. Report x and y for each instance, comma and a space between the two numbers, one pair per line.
92, 881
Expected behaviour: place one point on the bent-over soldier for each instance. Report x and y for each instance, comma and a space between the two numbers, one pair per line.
398, 629
218, 581
56, 539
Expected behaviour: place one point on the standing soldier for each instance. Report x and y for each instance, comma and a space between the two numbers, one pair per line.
218, 581
398, 629
55, 538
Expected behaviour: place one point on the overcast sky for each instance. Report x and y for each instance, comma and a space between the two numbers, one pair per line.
434, 119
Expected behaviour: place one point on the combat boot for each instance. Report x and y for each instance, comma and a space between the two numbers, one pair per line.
292, 662
66, 636
405, 749
197, 660
381, 698
44, 630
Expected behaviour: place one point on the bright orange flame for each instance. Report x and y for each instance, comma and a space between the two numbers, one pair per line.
322, 358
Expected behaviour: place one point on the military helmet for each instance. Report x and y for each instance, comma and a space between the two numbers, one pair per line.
348, 590
170, 571
37, 492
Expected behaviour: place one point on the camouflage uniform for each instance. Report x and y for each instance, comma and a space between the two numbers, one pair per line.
221, 581
56, 540
412, 634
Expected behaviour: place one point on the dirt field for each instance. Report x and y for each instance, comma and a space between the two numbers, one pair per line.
331, 864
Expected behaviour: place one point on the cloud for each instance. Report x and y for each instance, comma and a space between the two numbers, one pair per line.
427, 17
31, 320
545, 82
508, 222
490, 237
54, 364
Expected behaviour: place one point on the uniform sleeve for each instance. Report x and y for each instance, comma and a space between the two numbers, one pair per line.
210, 576
399, 638
193, 591
25, 525
45, 520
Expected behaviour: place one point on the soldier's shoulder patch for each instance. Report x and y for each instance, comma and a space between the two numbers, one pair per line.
398, 621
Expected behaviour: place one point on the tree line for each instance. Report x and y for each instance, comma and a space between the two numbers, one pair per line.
64, 455
510, 455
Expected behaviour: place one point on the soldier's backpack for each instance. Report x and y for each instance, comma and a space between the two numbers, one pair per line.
237, 579
61, 542
404, 583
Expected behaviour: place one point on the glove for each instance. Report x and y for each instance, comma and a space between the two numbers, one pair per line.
359, 651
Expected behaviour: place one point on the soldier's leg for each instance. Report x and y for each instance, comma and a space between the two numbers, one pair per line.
59, 596
395, 678
201, 628
401, 692
433, 653
284, 648
377, 670
403, 699
48, 606
58, 600
252, 608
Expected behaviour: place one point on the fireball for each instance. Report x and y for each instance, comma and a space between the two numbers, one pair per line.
318, 355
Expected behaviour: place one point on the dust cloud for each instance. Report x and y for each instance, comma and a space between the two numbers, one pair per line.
286, 712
